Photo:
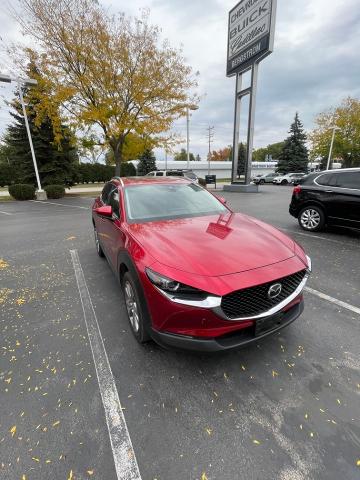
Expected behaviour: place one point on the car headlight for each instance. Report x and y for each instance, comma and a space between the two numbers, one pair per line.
162, 282
180, 293
176, 289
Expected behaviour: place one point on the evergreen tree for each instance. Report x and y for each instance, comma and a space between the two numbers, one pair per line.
147, 162
182, 156
241, 159
55, 162
294, 155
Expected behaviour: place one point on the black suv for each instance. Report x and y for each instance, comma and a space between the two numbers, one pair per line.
328, 198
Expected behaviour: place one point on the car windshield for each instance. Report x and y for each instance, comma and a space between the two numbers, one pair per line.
146, 203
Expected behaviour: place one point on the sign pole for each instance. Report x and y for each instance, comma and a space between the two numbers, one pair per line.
251, 122
236, 127
251, 31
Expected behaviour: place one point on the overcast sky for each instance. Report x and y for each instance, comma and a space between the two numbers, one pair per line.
315, 64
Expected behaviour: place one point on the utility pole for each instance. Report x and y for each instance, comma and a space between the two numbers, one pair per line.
210, 136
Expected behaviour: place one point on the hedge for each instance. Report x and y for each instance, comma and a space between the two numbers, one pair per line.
55, 191
83, 173
22, 191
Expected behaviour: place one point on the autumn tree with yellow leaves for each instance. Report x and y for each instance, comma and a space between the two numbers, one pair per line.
109, 72
346, 117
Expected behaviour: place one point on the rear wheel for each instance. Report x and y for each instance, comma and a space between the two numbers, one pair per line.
312, 218
135, 309
97, 243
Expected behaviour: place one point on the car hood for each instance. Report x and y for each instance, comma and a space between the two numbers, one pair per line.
214, 245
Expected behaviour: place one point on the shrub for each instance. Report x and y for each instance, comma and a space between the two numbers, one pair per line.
22, 191
55, 191
127, 169
7, 175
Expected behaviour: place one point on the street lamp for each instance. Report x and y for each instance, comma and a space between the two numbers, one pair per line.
27, 82
331, 145
188, 108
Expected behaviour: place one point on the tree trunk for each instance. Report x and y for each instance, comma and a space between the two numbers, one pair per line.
117, 147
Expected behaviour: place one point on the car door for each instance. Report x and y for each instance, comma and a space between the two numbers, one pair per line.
101, 222
115, 238
346, 205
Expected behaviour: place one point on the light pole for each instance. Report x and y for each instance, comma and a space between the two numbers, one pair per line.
28, 82
188, 108
331, 146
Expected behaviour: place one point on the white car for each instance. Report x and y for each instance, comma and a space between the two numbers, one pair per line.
174, 173
287, 179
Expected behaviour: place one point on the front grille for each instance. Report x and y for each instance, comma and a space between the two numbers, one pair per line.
253, 301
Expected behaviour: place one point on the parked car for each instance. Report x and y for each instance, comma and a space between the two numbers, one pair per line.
327, 198
194, 274
288, 178
296, 179
175, 173
267, 178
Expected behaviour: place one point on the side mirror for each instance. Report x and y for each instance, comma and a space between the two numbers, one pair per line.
222, 200
105, 211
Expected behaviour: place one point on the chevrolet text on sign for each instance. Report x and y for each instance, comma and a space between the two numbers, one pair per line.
249, 33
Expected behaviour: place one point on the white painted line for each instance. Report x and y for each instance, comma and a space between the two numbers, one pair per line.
337, 302
6, 213
318, 237
124, 456
60, 204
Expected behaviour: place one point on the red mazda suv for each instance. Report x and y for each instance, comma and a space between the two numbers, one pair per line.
194, 274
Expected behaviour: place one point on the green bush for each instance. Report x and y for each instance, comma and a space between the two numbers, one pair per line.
7, 175
22, 191
127, 169
55, 191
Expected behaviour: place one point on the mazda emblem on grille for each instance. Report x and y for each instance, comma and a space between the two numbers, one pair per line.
274, 291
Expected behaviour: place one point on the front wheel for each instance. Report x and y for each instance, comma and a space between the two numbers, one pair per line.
135, 309
262, 182
312, 218
284, 182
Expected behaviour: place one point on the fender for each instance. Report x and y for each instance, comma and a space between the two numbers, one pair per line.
124, 259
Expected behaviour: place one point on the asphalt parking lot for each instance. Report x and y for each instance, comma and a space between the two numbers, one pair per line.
287, 408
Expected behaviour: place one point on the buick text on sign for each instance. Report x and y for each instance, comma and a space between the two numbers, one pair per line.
249, 32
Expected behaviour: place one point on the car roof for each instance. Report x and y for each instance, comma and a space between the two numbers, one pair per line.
337, 170
127, 181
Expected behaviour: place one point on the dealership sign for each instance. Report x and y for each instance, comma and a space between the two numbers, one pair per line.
251, 33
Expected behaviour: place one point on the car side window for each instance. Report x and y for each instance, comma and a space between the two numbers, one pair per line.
114, 202
105, 193
159, 174
348, 180
326, 180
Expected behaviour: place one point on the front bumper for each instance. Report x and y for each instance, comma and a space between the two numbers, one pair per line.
231, 341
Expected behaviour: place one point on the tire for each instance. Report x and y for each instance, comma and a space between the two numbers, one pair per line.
284, 182
262, 182
312, 218
136, 310
97, 244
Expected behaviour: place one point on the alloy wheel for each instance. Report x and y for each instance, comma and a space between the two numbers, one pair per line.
131, 306
310, 219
